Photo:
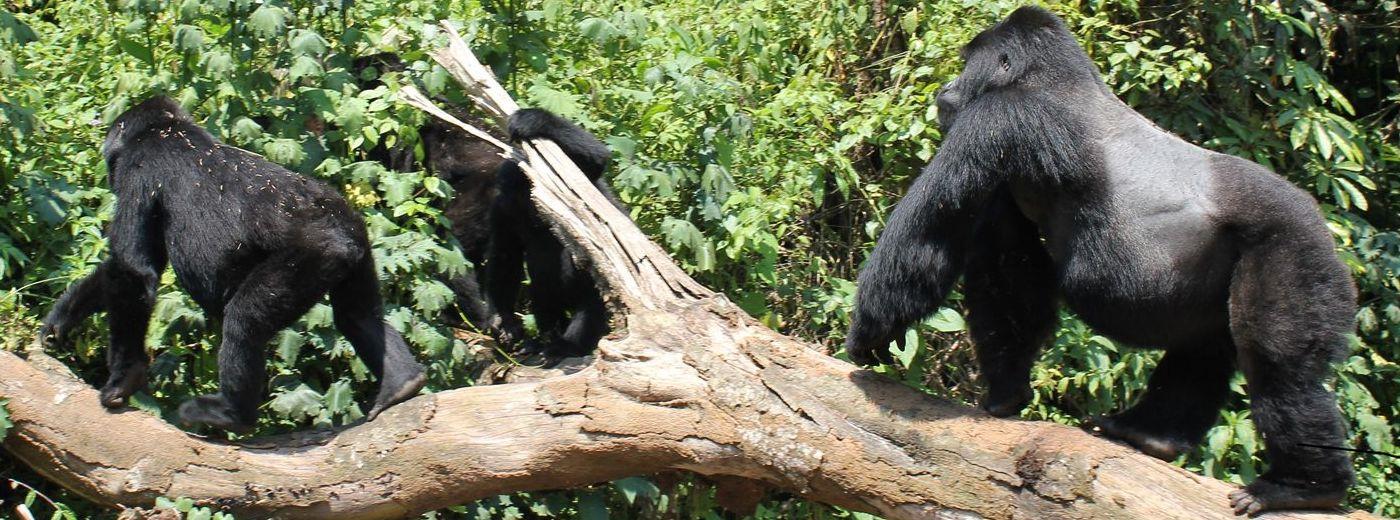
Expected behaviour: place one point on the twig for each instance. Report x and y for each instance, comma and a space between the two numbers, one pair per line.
410, 94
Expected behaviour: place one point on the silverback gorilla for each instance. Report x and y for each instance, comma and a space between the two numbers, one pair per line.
254, 244
1047, 186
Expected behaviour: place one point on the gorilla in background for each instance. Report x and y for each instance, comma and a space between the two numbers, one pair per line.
254, 244
1047, 186
499, 230
502, 235
464, 161
520, 237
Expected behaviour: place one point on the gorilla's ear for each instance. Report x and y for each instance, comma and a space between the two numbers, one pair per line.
1010, 65
114, 142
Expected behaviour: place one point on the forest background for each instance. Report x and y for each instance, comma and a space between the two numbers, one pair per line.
762, 143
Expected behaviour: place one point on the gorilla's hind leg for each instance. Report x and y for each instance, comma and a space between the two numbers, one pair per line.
272, 296
1183, 400
359, 315
588, 325
1010, 291
551, 294
1291, 306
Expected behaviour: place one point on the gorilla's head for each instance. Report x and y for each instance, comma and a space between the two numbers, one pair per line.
1029, 50
151, 112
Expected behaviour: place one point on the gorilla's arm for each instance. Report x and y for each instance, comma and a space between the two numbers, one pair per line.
505, 254
81, 300
921, 252
132, 274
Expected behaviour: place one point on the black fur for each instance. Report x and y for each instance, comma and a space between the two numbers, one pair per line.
1048, 187
500, 233
469, 164
254, 244
520, 237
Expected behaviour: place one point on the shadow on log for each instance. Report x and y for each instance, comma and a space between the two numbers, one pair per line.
687, 382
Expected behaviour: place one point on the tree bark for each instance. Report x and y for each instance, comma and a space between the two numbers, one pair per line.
686, 382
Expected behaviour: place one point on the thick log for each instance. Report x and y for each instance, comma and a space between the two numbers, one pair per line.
688, 382
697, 388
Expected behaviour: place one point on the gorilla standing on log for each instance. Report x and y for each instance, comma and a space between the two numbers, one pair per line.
520, 237
1048, 186
254, 244
500, 232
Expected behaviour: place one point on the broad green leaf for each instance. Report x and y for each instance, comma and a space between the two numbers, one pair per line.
305, 42
14, 31
1354, 194
137, 50
189, 39
304, 67
286, 152
906, 355
947, 320
598, 29
633, 487
320, 316
245, 130
432, 296
289, 344
189, 9
218, 63
340, 397
351, 114
298, 403
268, 21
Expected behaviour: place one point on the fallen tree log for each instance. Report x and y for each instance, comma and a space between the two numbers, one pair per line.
687, 382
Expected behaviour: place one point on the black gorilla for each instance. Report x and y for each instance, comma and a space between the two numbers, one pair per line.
1048, 186
254, 244
502, 235
496, 224
520, 237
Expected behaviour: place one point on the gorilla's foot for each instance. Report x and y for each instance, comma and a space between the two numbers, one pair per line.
530, 347
867, 356
395, 390
1161, 445
1266, 495
121, 384
52, 337
557, 349
1006, 403
212, 410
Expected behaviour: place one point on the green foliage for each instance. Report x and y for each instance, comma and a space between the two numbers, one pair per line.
5, 423
762, 143
663, 496
188, 511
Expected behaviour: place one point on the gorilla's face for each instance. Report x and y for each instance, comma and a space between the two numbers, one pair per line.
987, 66
1030, 51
